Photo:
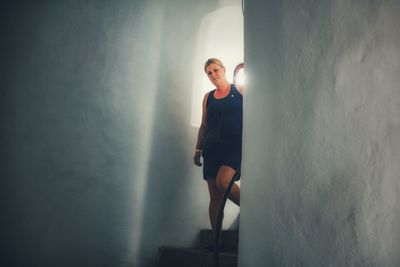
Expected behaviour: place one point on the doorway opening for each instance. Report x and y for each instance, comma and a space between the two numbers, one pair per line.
221, 36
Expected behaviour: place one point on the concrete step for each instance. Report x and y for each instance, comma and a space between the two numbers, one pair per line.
186, 257
229, 240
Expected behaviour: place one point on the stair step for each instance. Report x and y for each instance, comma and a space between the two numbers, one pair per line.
229, 239
187, 257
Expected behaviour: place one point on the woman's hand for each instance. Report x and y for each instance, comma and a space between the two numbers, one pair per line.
196, 158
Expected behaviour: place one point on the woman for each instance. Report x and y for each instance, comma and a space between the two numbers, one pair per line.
220, 136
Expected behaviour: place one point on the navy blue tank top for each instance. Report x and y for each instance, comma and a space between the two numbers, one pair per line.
224, 119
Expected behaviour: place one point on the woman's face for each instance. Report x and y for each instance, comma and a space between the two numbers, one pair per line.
215, 73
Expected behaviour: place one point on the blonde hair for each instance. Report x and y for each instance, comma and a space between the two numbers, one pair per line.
213, 61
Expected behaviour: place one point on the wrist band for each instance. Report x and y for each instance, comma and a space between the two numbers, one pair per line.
197, 150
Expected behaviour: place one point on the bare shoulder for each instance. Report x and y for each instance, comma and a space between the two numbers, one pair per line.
205, 98
240, 88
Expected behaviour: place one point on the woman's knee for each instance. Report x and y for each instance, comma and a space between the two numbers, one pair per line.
215, 193
222, 185
224, 177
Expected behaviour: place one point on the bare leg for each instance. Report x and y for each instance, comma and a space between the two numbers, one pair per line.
224, 176
215, 201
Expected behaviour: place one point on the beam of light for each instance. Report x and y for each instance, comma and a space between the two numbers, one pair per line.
240, 80
140, 167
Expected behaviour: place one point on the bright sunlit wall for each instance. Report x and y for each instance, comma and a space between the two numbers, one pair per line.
221, 36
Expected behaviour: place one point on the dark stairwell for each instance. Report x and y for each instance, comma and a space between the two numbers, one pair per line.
200, 257
225, 244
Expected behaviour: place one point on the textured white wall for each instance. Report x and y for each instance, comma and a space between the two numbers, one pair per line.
96, 141
322, 142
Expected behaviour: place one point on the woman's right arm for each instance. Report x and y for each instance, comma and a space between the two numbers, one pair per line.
200, 135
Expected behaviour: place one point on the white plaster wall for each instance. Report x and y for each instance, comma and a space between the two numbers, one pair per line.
96, 141
322, 142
